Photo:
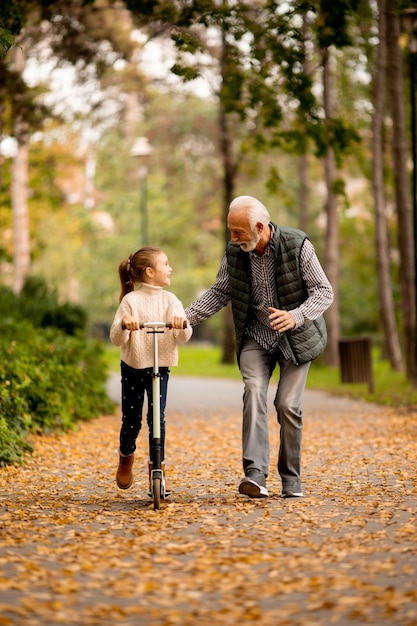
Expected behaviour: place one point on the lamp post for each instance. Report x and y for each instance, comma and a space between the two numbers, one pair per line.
142, 149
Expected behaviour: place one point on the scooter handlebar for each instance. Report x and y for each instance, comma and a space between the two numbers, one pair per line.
156, 325
160, 324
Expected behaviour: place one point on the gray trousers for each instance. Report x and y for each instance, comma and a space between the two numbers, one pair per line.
256, 367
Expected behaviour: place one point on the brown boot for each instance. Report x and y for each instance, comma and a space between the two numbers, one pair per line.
124, 475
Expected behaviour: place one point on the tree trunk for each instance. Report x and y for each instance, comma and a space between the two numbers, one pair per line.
229, 174
303, 192
303, 216
2, 113
331, 264
381, 237
19, 184
229, 344
402, 187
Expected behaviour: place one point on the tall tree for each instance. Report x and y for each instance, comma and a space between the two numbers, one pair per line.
230, 169
12, 17
332, 32
381, 231
19, 187
402, 185
332, 215
303, 221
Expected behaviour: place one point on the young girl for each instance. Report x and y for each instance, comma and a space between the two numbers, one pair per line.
143, 298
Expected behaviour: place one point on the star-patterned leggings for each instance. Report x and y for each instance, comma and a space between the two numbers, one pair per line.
135, 382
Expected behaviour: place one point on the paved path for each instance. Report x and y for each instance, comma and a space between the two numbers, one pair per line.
193, 394
75, 550
187, 395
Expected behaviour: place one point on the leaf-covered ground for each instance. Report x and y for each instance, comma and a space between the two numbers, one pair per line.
76, 550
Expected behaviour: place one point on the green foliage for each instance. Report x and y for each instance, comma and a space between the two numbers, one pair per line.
185, 42
50, 376
333, 20
39, 304
48, 381
13, 14
69, 317
13, 446
6, 40
187, 73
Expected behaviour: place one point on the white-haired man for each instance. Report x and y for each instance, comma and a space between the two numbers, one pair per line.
279, 292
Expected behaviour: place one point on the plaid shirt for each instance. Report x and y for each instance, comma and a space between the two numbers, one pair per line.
263, 295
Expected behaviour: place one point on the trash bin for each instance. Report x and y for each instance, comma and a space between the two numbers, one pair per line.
356, 360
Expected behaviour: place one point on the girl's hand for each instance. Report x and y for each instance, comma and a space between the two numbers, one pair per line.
130, 323
281, 320
179, 322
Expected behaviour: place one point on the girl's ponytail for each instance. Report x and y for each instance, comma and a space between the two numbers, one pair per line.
131, 270
126, 282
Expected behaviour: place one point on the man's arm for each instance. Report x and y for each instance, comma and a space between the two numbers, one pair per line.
320, 290
214, 299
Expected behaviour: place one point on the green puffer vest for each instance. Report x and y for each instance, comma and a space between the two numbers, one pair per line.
304, 343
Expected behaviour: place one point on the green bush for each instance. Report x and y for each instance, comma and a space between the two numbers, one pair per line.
12, 445
41, 307
48, 381
71, 318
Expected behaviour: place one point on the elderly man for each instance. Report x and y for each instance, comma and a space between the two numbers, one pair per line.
279, 292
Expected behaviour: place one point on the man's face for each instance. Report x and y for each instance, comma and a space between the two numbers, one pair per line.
241, 232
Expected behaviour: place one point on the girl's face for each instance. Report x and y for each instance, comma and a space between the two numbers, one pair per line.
160, 274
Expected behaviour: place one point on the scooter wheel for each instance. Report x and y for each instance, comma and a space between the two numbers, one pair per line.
156, 493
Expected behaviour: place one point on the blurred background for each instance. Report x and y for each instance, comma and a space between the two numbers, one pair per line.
127, 123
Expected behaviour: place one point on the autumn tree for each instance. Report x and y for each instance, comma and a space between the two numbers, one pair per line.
72, 33
386, 299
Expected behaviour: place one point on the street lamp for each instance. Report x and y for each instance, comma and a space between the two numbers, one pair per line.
142, 149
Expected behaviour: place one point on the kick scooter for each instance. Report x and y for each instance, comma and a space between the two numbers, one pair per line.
157, 479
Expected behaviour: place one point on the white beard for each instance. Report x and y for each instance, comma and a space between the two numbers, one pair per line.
248, 246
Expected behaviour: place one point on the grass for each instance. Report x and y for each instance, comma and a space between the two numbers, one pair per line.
391, 388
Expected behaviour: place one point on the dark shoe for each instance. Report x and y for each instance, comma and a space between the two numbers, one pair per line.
124, 475
253, 484
292, 490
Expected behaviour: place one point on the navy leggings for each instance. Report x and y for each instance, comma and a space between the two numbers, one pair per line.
135, 382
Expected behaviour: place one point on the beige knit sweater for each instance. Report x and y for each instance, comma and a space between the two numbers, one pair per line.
149, 304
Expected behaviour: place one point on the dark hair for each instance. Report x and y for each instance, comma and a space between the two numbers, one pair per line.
131, 270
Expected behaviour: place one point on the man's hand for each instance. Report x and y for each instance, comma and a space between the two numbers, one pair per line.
130, 323
281, 320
